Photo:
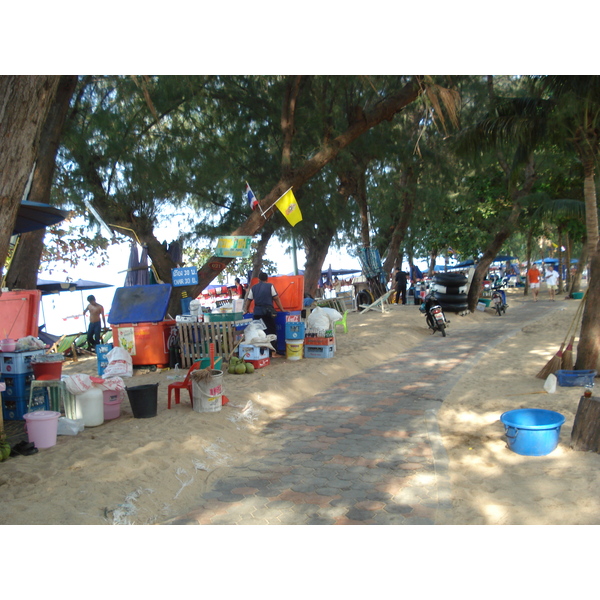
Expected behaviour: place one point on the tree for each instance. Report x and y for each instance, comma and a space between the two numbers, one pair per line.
24, 104
25, 262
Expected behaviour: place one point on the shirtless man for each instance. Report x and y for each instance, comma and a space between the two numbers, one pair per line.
96, 311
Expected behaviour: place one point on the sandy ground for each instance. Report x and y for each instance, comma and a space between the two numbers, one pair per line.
144, 471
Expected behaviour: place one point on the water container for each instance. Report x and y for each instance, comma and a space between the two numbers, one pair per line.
89, 406
532, 431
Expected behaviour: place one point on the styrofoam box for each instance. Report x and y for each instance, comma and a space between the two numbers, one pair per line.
318, 351
251, 352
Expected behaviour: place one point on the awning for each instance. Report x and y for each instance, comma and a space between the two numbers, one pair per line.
36, 215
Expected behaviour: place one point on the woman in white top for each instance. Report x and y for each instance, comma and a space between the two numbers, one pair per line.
551, 280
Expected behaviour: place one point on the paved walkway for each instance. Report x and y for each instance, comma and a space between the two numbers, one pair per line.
366, 451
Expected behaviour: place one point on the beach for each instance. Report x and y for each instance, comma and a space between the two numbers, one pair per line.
149, 471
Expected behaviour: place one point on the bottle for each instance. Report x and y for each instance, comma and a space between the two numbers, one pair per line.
587, 392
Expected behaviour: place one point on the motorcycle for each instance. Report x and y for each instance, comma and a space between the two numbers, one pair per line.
434, 314
499, 300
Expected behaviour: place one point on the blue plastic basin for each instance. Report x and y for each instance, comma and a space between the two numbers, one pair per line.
532, 431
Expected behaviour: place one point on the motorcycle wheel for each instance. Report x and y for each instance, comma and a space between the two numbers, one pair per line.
430, 322
499, 309
442, 328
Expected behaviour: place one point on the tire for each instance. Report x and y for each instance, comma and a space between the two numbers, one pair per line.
451, 298
455, 308
498, 308
364, 297
442, 328
430, 322
449, 289
448, 279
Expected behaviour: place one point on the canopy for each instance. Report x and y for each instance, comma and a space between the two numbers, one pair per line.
48, 286
504, 258
36, 215
546, 261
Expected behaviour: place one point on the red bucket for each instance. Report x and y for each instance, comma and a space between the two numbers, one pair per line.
44, 371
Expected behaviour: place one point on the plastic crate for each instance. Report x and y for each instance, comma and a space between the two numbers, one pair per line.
259, 364
575, 378
17, 363
15, 408
318, 351
320, 341
250, 352
219, 317
294, 330
17, 386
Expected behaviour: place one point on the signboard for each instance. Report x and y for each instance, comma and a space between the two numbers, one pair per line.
234, 246
184, 276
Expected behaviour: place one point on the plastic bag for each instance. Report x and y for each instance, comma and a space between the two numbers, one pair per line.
119, 363
69, 426
550, 383
318, 319
78, 383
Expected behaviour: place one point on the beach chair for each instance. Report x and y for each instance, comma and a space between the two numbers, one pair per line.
181, 385
379, 302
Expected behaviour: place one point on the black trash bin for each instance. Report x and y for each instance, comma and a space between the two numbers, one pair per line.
143, 400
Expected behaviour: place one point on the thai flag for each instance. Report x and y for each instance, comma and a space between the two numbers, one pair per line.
252, 201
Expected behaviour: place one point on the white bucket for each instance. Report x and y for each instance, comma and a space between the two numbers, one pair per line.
89, 406
208, 394
293, 349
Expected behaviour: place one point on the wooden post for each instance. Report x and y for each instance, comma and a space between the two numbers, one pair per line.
586, 427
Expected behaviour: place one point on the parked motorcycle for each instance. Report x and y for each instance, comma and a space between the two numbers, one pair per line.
499, 300
434, 314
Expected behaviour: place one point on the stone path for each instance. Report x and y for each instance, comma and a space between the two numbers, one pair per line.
366, 451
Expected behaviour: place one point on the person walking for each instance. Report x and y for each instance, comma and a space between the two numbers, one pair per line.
96, 312
264, 294
401, 281
533, 277
551, 281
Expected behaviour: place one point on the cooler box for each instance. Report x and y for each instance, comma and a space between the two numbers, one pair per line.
136, 318
19, 313
290, 289
281, 319
147, 343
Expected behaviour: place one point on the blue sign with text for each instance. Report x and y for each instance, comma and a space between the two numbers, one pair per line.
184, 276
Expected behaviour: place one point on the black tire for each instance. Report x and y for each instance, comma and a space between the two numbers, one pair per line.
442, 328
451, 298
364, 297
448, 279
454, 307
499, 309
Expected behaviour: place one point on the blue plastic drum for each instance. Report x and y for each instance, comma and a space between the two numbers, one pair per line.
532, 431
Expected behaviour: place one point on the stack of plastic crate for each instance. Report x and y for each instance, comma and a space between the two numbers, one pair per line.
319, 343
16, 373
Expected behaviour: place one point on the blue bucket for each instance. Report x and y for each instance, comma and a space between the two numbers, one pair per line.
532, 431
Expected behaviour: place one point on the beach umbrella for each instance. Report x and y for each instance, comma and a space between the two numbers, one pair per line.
37, 215
504, 258
48, 286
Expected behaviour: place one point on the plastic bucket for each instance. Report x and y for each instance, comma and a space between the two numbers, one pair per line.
47, 370
208, 394
42, 427
89, 406
143, 400
294, 349
8, 345
112, 405
532, 431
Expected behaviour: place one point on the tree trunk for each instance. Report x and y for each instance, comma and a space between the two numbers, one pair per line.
24, 266
24, 104
585, 435
257, 260
401, 227
488, 256
316, 252
588, 348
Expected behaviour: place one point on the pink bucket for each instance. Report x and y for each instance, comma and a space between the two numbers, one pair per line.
112, 405
42, 427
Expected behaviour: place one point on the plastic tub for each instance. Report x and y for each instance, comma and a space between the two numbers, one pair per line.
532, 431
294, 349
42, 427
143, 400
112, 404
8, 345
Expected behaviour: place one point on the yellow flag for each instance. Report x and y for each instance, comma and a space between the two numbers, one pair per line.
289, 207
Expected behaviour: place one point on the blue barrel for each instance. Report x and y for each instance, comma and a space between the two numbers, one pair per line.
532, 431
